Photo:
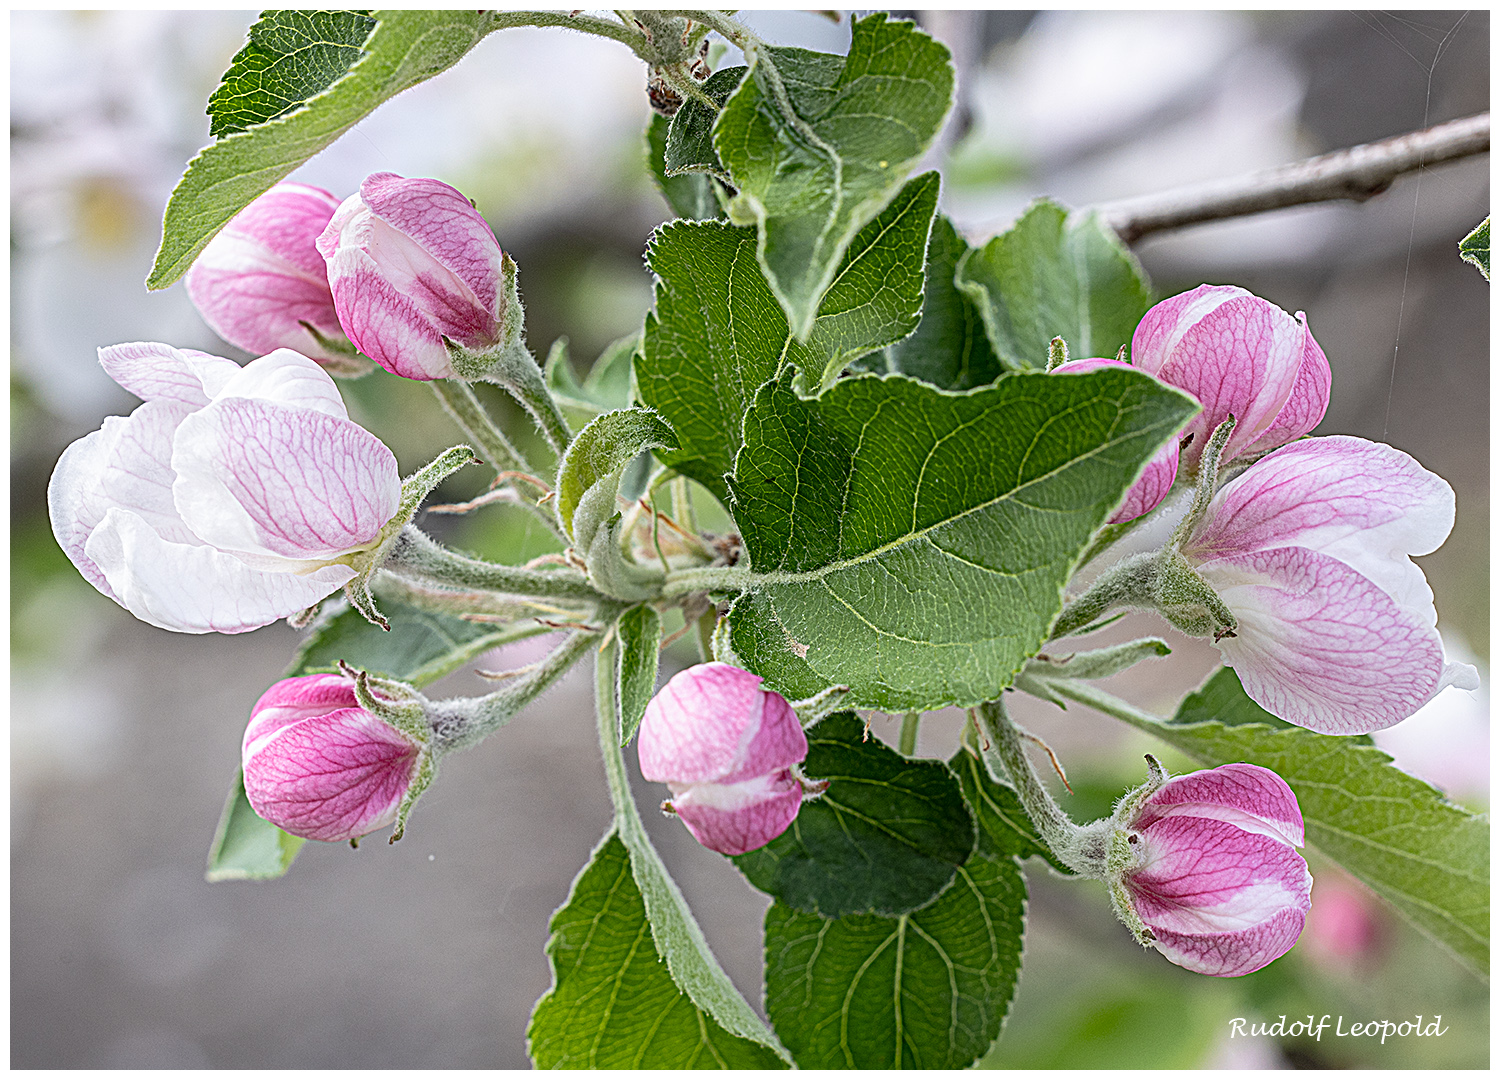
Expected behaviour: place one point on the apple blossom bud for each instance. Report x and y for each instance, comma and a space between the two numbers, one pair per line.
413, 266
1211, 874
725, 748
1240, 356
261, 284
320, 766
1156, 480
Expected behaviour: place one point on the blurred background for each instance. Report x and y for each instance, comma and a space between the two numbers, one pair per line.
125, 738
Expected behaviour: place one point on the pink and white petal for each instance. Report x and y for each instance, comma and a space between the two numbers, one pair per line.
1364, 503
699, 727
286, 377
196, 589
1155, 483
331, 777
1320, 645
262, 478
1232, 954
735, 818
777, 742
1251, 797
1159, 331
1306, 407
258, 301
1200, 876
286, 222
152, 371
293, 700
136, 474
385, 324
445, 224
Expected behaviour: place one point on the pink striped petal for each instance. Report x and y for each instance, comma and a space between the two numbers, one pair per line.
197, 589
1306, 407
292, 700
735, 818
1249, 797
153, 371
330, 777
267, 479
261, 277
383, 322
1320, 645
713, 723
1234, 953
1366, 504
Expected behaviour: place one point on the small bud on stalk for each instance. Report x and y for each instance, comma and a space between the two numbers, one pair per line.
320, 766
1204, 868
726, 750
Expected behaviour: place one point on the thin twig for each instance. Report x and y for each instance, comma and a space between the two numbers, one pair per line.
1358, 173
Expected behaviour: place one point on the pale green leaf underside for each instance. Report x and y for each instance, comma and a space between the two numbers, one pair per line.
612, 1004
246, 847
290, 56
885, 838
689, 195
602, 449
716, 333
405, 48
914, 544
1055, 275
1428, 857
928, 990
640, 644
817, 144
690, 137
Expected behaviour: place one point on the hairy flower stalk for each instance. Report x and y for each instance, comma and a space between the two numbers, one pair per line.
417, 555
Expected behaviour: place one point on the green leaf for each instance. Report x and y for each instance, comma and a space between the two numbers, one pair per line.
1428, 857
876, 297
420, 646
290, 56
639, 630
1004, 827
405, 48
716, 333
1474, 249
949, 349
885, 838
818, 144
928, 990
1222, 698
612, 1004
690, 136
246, 847
1055, 275
677, 937
690, 195
758, 643
916, 542
588, 476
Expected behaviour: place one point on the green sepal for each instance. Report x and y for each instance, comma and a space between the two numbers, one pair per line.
639, 630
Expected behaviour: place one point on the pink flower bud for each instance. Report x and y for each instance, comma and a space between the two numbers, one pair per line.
1308, 548
232, 498
410, 262
319, 766
261, 278
725, 749
1156, 480
1240, 356
1215, 875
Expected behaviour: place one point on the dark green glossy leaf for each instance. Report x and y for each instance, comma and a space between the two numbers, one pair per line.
885, 838
612, 1004
1004, 828
716, 333
291, 56
928, 990
817, 145
1055, 275
917, 542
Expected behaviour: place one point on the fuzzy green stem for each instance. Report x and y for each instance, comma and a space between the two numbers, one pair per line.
1126, 583
705, 579
909, 725
1107, 703
459, 402
1059, 831
462, 722
587, 24
415, 554
728, 29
